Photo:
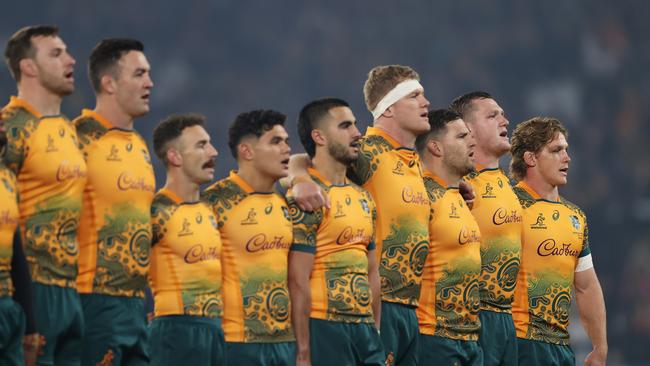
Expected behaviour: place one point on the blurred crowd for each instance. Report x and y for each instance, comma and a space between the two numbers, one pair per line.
583, 62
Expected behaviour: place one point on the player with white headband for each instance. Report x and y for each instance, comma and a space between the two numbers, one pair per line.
389, 168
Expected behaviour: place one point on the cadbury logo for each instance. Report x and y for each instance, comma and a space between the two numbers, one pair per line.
260, 242
197, 253
417, 198
468, 236
348, 235
67, 171
501, 216
550, 247
126, 182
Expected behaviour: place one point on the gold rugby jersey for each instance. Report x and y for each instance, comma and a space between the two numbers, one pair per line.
450, 300
8, 224
256, 233
115, 230
555, 239
186, 258
43, 152
392, 175
498, 213
339, 238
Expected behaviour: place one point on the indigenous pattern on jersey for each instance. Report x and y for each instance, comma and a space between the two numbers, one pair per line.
44, 154
115, 228
392, 176
186, 258
498, 213
339, 238
8, 224
256, 233
450, 300
554, 237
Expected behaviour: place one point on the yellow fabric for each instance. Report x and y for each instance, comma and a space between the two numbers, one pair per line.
554, 237
339, 238
8, 224
392, 175
115, 230
450, 300
256, 233
186, 258
51, 171
498, 213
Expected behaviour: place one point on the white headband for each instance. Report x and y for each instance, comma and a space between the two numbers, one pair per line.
400, 90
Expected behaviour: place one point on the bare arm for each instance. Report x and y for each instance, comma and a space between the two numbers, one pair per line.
300, 266
308, 195
591, 307
375, 285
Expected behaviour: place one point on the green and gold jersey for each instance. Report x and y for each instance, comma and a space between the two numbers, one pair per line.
339, 238
392, 175
555, 244
450, 300
498, 213
43, 152
256, 233
115, 228
186, 258
8, 224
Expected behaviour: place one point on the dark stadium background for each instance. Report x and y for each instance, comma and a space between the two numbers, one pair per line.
584, 62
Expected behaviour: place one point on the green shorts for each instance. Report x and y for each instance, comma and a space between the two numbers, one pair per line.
58, 318
537, 353
261, 354
498, 339
336, 343
399, 334
436, 350
12, 330
116, 330
187, 340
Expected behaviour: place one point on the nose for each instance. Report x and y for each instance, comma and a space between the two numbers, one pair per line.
504, 120
148, 83
356, 134
71, 59
213, 151
425, 102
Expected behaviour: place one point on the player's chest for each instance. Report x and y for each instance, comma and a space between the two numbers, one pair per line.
193, 234
348, 223
552, 233
453, 225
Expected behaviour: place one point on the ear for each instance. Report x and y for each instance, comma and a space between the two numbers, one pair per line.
318, 137
388, 112
245, 151
435, 148
27, 67
109, 86
530, 159
174, 157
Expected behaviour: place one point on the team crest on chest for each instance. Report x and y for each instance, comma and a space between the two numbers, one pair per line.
575, 222
539, 224
251, 218
50, 145
399, 168
185, 229
453, 213
113, 155
339, 210
488, 191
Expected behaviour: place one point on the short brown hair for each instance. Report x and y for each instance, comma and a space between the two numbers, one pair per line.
464, 104
20, 45
531, 136
382, 79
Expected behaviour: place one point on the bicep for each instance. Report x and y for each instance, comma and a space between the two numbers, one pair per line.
584, 280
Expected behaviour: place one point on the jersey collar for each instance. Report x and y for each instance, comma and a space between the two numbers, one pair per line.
97, 117
21, 103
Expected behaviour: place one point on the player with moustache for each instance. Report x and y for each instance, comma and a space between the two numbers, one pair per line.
42, 151
256, 232
185, 271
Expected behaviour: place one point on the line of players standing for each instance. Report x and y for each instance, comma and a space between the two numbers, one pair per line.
374, 257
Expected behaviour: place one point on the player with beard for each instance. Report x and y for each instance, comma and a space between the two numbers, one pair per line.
42, 150
498, 213
389, 168
115, 229
449, 301
333, 267
556, 257
256, 233
186, 256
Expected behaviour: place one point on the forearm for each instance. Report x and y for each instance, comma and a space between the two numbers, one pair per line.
375, 288
298, 165
591, 307
300, 309
22, 283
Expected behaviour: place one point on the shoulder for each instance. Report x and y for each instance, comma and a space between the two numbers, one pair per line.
88, 129
162, 203
434, 189
225, 192
525, 199
573, 207
376, 144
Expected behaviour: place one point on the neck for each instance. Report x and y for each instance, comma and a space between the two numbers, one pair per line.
257, 180
486, 160
108, 108
178, 183
403, 137
437, 167
330, 168
543, 189
45, 102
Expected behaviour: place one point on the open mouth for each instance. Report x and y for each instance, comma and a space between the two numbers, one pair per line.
145, 97
564, 170
285, 162
425, 115
208, 165
69, 75
504, 134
